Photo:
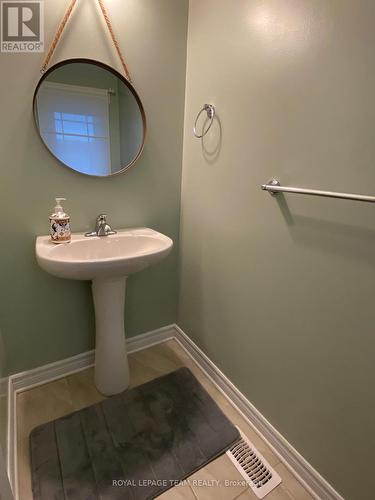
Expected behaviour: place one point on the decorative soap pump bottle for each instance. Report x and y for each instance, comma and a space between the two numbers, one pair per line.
60, 224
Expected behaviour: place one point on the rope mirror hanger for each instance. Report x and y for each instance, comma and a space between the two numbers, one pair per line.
62, 25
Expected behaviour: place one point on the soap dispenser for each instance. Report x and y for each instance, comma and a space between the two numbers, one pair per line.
60, 224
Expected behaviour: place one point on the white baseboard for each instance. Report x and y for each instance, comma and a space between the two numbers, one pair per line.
303, 471
11, 451
47, 373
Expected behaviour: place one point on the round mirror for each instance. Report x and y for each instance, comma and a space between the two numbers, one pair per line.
89, 117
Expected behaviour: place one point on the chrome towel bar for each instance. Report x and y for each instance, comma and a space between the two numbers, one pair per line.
274, 187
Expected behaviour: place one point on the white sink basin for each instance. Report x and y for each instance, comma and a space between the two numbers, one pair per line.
106, 261
121, 254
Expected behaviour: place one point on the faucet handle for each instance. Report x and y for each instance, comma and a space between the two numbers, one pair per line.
102, 228
101, 218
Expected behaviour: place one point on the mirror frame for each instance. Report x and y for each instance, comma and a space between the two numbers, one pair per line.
123, 80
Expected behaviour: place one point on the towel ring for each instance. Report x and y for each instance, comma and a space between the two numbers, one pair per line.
210, 110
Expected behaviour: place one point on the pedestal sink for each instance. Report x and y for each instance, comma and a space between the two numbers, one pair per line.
106, 261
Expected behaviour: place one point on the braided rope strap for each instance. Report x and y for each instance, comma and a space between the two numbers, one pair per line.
62, 25
57, 36
114, 40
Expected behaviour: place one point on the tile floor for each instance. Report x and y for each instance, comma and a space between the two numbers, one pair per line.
76, 391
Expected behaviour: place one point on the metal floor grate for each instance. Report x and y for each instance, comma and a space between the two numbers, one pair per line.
261, 477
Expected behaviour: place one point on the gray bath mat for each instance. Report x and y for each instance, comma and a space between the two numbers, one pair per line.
131, 446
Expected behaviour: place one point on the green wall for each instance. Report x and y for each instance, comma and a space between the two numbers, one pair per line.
279, 292
42, 318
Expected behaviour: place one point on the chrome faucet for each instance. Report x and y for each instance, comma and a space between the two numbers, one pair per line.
102, 228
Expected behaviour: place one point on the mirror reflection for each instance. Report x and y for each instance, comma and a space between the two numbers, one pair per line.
89, 117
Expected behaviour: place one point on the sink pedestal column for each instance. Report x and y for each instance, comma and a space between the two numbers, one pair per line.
111, 361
